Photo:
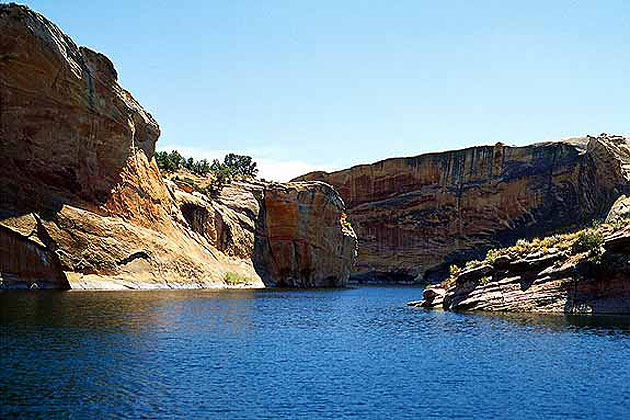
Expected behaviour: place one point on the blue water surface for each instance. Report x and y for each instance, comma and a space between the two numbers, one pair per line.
345, 353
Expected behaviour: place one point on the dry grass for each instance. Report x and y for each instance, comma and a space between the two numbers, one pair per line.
584, 243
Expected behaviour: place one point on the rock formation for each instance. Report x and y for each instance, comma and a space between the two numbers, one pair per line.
293, 233
415, 216
578, 273
83, 204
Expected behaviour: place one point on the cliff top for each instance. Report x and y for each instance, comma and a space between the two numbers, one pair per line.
579, 143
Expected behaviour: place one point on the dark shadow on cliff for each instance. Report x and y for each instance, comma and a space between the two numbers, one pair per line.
601, 287
25, 264
262, 257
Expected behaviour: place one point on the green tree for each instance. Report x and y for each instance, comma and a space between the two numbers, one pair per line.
241, 165
233, 166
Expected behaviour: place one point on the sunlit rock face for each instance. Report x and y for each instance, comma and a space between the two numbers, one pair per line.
294, 233
83, 203
415, 216
301, 243
65, 120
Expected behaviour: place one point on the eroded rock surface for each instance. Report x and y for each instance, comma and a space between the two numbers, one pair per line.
620, 210
294, 233
584, 273
415, 216
83, 204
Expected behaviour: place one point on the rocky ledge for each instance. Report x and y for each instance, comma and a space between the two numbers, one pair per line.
415, 216
577, 273
83, 203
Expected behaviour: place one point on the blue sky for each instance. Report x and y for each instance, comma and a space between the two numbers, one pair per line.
305, 85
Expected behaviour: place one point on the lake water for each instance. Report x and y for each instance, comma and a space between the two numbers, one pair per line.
356, 352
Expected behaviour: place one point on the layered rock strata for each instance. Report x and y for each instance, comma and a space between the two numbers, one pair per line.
416, 216
293, 233
583, 273
83, 204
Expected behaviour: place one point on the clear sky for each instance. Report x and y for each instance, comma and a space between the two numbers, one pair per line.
304, 85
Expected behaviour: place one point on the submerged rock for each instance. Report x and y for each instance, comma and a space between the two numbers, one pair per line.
83, 203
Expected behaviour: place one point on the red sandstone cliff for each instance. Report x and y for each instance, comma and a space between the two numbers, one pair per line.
83, 204
415, 216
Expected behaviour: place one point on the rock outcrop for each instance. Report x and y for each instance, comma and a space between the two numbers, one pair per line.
619, 211
293, 233
415, 216
83, 203
580, 273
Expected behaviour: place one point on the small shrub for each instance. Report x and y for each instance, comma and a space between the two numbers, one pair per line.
235, 278
472, 264
620, 223
454, 270
588, 240
345, 223
493, 254
522, 245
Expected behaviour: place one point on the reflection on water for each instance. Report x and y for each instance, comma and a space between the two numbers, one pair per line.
597, 324
356, 352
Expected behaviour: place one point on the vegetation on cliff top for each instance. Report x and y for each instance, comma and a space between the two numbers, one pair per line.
219, 173
585, 244
233, 164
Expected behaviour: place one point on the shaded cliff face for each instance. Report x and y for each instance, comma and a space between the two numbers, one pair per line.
579, 273
415, 216
82, 202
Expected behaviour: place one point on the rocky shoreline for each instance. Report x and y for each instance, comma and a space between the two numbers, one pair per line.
586, 272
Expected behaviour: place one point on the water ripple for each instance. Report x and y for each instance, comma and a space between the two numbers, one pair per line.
350, 353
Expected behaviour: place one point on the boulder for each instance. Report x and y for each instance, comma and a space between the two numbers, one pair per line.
475, 274
620, 211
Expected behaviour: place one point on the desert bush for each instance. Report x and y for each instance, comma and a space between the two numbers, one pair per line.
234, 165
588, 240
345, 223
493, 254
472, 264
235, 278
454, 270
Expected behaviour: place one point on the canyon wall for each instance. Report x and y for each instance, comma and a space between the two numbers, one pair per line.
416, 216
83, 203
